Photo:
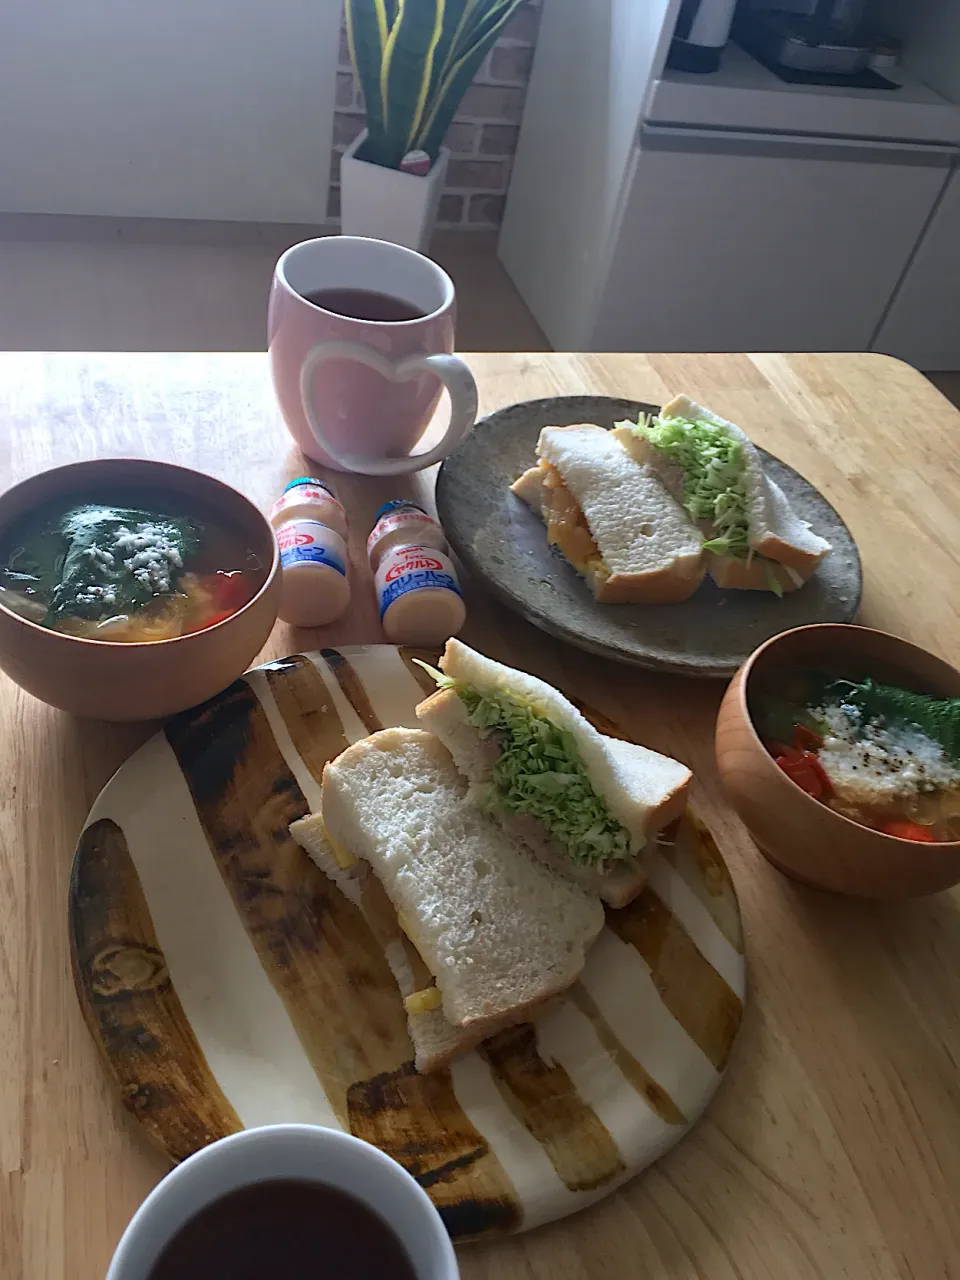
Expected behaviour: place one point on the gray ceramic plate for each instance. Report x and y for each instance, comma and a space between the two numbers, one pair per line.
500, 540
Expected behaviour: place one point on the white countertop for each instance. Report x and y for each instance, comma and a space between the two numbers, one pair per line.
743, 94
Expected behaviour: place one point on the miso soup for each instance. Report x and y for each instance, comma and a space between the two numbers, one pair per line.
126, 566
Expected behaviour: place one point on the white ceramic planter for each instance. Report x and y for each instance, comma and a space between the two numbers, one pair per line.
386, 204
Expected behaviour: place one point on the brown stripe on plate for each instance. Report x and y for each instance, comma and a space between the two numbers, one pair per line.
130, 1005
308, 711
431, 656
419, 1122
689, 986
353, 689
602, 723
545, 1100
656, 1097
693, 853
313, 943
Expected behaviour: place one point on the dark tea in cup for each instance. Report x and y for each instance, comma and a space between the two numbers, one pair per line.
366, 304
284, 1229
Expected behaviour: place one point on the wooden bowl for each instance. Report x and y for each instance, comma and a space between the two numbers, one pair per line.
800, 836
111, 681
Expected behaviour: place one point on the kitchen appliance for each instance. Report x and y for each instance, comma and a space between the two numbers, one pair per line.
651, 210
703, 27
816, 36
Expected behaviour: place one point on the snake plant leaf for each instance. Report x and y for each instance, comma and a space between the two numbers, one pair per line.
415, 60
406, 72
457, 19
483, 14
368, 29
463, 67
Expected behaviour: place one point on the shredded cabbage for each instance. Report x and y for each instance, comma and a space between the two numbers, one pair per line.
539, 772
773, 582
714, 484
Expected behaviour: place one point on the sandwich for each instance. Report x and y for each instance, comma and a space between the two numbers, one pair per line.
489, 933
587, 805
612, 518
436, 1042
755, 541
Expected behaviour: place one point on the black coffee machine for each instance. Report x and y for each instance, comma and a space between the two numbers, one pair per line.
826, 37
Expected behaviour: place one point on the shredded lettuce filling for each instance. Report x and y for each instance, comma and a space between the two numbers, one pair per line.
539, 773
714, 485
773, 582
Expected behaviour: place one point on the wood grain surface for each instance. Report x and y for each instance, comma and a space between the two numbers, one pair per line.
832, 1149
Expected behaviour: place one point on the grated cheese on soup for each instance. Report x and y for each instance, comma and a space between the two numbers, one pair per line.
870, 762
150, 555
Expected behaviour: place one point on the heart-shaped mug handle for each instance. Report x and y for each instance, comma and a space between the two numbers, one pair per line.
451, 371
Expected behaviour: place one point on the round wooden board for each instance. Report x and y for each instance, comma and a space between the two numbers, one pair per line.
228, 983
504, 544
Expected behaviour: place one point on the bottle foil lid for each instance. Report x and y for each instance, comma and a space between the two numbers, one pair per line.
397, 504
308, 480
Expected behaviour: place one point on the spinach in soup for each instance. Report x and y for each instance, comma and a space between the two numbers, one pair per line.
113, 571
117, 559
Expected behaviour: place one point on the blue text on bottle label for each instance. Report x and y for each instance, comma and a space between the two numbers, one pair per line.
417, 580
312, 555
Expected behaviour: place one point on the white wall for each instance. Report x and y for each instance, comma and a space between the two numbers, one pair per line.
591, 70
167, 108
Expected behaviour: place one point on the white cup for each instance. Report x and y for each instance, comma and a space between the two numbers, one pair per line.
299, 1151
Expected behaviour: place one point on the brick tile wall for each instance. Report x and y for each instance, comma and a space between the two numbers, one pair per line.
482, 138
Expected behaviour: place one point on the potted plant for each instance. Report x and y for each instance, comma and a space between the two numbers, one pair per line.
414, 60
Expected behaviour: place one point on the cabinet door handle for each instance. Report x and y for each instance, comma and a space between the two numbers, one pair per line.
799, 146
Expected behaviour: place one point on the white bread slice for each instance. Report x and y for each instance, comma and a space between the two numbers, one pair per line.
435, 1042
670, 585
650, 551
499, 932
781, 535
644, 790
774, 529
669, 474
310, 834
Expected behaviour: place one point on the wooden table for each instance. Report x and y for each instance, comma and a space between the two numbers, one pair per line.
833, 1147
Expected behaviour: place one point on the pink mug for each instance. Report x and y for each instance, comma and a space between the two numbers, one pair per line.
357, 394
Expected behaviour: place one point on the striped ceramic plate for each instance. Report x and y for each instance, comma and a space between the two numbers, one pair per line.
229, 984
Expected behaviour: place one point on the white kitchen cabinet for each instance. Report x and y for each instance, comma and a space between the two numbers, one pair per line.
592, 68
742, 241
652, 209
923, 323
